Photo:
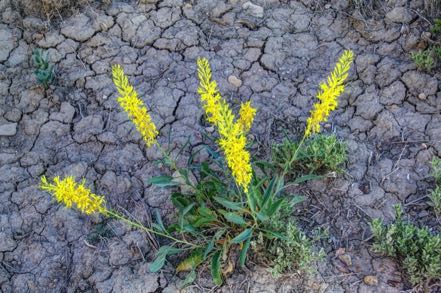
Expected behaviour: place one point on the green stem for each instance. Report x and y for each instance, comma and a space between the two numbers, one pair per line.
288, 165
118, 216
164, 154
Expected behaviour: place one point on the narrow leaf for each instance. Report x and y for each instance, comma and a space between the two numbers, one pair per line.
244, 251
158, 263
234, 218
245, 234
306, 178
187, 209
158, 218
162, 181
209, 248
228, 204
191, 276
262, 216
268, 191
190, 263
296, 199
274, 207
216, 268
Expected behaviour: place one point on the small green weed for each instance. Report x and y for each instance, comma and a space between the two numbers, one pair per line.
319, 155
424, 59
418, 251
436, 169
435, 195
429, 58
44, 72
436, 28
294, 253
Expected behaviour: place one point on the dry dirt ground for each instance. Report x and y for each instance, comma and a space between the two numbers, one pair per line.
278, 51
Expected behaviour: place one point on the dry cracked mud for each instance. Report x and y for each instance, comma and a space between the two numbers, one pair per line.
272, 52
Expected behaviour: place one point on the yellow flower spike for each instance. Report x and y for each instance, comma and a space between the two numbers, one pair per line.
232, 135
70, 193
134, 106
246, 116
329, 93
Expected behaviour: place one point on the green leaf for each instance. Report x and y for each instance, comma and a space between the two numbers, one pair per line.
206, 212
200, 221
296, 199
209, 248
162, 181
273, 235
191, 262
251, 201
268, 191
189, 228
256, 197
228, 204
210, 245
262, 216
157, 227
275, 206
244, 235
306, 178
158, 218
189, 279
216, 268
169, 250
179, 201
234, 218
158, 263
244, 251
187, 209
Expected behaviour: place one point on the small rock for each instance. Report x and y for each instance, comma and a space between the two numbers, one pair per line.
7, 42
426, 36
51, 39
79, 28
370, 280
253, 9
209, 129
346, 259
399, 15
422, 96
234, 81
67, 111
418, 82
8, 129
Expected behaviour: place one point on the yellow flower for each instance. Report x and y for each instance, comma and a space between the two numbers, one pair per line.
246, 116
134, 106
329, 93
210, 96
70, 193
232, 135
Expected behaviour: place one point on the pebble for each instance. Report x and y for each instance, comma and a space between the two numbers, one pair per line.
8, 129
370, 280
346, 259
234, 81
253, 9
399, 15
422, 96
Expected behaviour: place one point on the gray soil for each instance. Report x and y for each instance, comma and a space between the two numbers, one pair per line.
278, 53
